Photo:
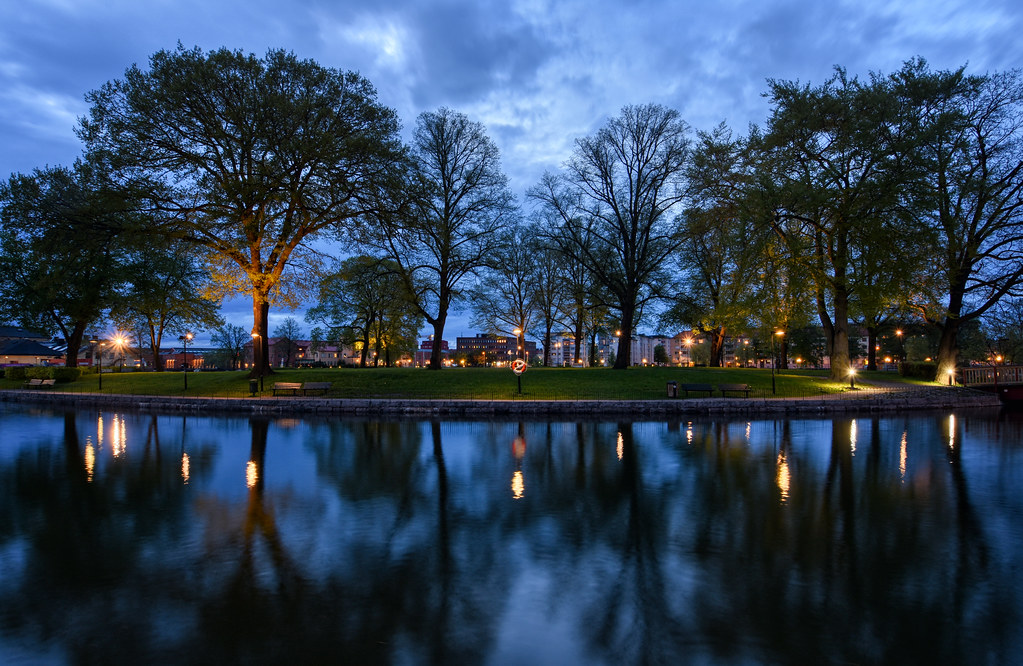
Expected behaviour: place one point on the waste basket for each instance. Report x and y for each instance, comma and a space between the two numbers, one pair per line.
253, 386
672, 389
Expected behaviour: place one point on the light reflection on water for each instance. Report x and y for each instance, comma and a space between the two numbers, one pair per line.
130, 537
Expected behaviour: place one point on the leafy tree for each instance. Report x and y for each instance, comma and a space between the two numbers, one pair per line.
661, 355
167, 292
721, 253
836, 158
446, 229
364, 301
61, 249
614, 204
252, 158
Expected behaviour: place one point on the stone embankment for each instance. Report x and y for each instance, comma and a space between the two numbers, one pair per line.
912, 399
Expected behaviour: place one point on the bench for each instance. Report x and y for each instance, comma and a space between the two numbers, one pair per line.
316, 386
725, 389
294, 387
40, 383
696, 388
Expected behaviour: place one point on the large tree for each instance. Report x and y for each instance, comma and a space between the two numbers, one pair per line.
836, 158
62, 249
250, 157
447, 224
615, 201
971, 194
505, 296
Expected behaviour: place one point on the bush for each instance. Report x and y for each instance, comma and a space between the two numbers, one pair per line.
17, 374
925, 371
38, 372
64, 375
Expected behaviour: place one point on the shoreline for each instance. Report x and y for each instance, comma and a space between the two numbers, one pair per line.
916, 399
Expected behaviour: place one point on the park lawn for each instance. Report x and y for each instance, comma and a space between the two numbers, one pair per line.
638, 383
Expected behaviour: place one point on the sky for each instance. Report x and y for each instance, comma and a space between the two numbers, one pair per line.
538, 74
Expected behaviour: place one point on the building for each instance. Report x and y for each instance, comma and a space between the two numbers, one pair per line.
485, 349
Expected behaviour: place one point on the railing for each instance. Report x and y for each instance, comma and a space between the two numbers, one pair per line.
993, 374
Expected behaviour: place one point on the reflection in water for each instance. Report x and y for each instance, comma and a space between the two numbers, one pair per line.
951, 431
903, 455
377, 542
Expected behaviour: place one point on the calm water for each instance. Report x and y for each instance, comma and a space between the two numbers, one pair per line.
167, 539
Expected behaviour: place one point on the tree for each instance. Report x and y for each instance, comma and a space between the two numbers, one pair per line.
286, 334
447, 226
251, 158
364, 300
230, 339
614, 204
505, 297
721, 255
167, 292
971, 194
836, 165
61, 249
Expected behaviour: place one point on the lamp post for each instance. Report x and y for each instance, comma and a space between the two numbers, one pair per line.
257, 356
774, 359
184, 364
96, 343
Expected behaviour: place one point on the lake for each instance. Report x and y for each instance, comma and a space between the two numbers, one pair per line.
140, 538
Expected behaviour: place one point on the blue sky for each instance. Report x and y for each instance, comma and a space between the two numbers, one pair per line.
537, 73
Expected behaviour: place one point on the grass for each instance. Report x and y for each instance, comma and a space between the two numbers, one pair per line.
479, 383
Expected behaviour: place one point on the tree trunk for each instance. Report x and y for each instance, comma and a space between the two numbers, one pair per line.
948, 349
436, 355
74, 344
717, 346
261, 343
624, 360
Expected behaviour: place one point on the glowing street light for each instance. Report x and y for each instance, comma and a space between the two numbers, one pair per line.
774, 359
852, 378
184, 365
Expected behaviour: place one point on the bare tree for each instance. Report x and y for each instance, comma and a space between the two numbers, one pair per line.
615, 203
449, 223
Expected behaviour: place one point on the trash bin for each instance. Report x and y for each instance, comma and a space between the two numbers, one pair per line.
253, 386
672, 389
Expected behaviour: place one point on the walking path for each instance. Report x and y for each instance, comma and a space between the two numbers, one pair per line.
889, 398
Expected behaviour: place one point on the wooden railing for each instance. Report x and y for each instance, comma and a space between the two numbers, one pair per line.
997, 374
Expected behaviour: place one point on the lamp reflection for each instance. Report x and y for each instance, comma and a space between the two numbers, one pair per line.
186, 468
951, 431
783, 476
852, 436
251, 474
90, 460
621, 446
518, 481
903, 456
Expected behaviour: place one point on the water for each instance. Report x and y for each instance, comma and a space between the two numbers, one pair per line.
132, 538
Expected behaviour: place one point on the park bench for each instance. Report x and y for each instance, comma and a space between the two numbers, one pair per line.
294, 387
696, 388
725, 389
315, 386
40, 383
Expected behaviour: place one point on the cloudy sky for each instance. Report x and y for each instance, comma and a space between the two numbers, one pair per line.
537, 73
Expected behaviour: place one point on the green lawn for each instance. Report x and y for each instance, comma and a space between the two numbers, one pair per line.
477, 383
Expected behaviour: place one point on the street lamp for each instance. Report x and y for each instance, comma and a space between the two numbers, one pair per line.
184, 364
97, 343
852, 378
774, 359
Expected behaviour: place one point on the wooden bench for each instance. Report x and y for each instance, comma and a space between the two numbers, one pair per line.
725, 389
316, 386
696, 388
294, 387
40, 383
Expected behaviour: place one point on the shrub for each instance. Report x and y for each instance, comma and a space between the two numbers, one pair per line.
64, 375
917, 370
37, 372
16, 373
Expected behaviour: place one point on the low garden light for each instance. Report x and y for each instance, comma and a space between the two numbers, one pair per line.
852, 378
